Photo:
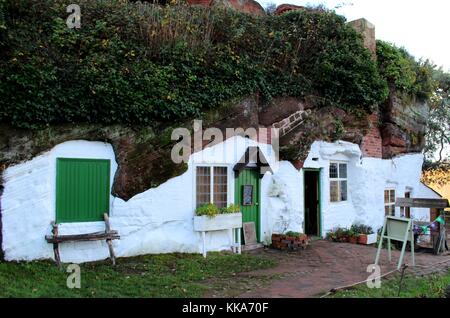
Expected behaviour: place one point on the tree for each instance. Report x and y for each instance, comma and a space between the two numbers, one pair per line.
270, 8
437, 141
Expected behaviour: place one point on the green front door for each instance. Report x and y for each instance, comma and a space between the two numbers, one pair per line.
247, 196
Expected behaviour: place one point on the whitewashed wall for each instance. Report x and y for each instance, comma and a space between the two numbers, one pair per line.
367, 180
160, 220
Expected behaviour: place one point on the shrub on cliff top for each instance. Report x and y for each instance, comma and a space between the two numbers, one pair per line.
403, 72
140, 64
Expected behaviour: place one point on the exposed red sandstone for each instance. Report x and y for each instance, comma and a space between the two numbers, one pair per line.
283, 8
247, 6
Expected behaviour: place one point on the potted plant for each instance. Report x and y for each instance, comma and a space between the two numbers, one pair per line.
209, 217
366, 235
352, 236
342, 235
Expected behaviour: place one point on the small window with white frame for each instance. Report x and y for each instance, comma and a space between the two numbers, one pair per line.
212, 186
338, 182
389, 202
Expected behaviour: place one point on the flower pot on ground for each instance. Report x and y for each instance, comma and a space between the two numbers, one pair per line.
338, 234
367, 239
365, 234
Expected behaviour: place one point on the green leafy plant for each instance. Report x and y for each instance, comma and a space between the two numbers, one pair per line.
232, 208
209, 210
138, 63
341, 234
293, 234
403, 72
362, 229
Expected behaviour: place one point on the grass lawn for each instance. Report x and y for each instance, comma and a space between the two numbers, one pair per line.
432, 286
168, 275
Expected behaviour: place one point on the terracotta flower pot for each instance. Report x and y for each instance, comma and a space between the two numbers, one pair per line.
353, 240
362, 239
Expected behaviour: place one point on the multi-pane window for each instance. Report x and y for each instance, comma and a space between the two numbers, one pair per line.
338, 182
406, 211
389, 202
212, 186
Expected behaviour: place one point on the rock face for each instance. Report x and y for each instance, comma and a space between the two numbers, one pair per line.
404, 124
283, 8
247, 6
143, 154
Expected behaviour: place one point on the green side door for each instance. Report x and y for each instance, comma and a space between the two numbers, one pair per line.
247, 195
82, 189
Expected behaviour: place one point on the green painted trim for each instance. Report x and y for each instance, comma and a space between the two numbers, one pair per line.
319, 194
237, 196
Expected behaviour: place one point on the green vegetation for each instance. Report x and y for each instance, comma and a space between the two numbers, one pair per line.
361, 229
293, 234
433, 286
212, 210
232, 208
438, 130
144, 64
403, 72
209, 209
169, 275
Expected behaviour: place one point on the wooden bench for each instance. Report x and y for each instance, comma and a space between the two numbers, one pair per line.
107, 235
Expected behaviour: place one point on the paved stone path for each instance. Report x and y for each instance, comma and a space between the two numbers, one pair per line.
318, 269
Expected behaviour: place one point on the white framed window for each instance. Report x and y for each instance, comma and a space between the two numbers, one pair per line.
338, 181
212, 186
389, 202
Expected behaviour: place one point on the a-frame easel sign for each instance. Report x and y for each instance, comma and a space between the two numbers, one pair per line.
397, 229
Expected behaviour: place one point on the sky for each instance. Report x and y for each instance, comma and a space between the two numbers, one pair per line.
422, 27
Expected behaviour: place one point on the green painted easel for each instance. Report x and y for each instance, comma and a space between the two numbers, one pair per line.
397, 229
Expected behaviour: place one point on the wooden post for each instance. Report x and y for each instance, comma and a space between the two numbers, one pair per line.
413, 258
109, 241
389, 250
380, 244
231, 237
56, 245
402, 254
204, 243
239, 241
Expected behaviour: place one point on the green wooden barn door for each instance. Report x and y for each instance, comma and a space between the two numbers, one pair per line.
82, 189
248, 179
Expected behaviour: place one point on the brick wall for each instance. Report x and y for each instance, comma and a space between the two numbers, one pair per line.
371, 145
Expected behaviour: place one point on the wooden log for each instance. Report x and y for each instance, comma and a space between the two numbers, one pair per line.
107, 235
422, 203
109, 241
98, 236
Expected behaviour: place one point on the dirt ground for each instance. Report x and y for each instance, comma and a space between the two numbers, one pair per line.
312, 272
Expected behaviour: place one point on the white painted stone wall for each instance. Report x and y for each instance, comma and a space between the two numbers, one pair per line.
367, 180
160, 220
